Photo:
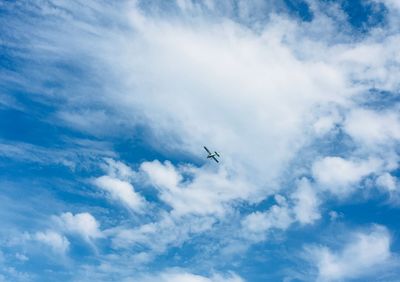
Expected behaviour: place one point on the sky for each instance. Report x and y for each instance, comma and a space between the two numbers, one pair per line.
105, 107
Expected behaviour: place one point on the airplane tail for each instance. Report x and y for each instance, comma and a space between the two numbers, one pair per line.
217, 154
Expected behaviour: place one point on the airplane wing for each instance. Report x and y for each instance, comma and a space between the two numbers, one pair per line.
215, 159
208, 151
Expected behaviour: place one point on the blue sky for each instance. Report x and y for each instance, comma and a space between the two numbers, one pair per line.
104, 110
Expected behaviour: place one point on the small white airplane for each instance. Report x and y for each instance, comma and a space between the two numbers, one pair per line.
212, 155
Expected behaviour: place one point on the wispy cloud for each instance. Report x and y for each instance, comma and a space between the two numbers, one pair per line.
77, 153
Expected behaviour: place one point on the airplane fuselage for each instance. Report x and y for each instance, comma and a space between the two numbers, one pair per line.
212, 155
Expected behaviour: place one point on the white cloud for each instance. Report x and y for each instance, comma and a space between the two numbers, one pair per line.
368, 62
118, 169
162, 175
373, 128
57, 242
303, 208
204, 192
83, 224
121, 191
256, 224
365, 253
306, 203
326, 123
197, 197
387, 181
239, 99
117, 183
158, 236
339, 176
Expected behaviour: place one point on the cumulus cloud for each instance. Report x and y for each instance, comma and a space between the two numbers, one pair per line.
387, 181
303, 208
373, 128
157, 237
256, 224
326, 123
83, 224
306, 203
117, 183
57, 242
121, 191
365, 253
118, 169
339, 176
162, 175
202, 192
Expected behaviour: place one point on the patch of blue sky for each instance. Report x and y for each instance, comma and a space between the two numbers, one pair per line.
300, 9
377, 99
363, 15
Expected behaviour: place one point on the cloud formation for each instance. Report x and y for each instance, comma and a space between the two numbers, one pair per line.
340, 176
83, 224
57, 242
116, 183
204, 191
365, 253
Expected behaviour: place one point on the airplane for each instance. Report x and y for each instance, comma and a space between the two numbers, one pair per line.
212, 155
